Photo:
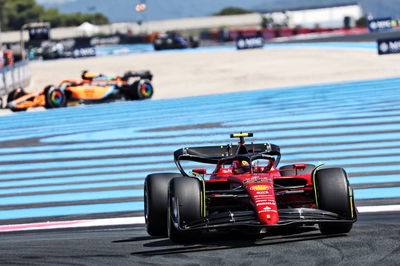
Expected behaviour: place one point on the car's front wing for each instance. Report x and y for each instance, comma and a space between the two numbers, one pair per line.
248, 219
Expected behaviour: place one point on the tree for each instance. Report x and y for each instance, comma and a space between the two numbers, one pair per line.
362, 22
15, 13
2, 3
232, 11
18, 12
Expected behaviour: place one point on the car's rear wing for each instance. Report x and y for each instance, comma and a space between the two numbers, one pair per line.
212, 154
145, 74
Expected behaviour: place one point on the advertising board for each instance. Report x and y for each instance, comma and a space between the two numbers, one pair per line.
380, 24
388, 46
249, 42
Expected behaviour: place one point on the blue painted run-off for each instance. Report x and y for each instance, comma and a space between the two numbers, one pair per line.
109, 149
148, 48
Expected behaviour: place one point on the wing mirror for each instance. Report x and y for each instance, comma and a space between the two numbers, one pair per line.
200, 171
300, 166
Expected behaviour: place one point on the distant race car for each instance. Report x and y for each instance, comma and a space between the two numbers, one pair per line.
246, 191
54, 50
173, 40
92, 88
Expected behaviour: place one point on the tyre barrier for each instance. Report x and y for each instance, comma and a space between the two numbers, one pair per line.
12, 77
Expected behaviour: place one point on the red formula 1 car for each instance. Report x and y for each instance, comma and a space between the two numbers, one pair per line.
245, 191
92, 88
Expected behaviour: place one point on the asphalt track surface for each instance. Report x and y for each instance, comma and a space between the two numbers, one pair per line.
374, 240
89, 162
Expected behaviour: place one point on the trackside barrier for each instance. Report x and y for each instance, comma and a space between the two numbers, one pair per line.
12, 77
380, 24
249, 42
388, 46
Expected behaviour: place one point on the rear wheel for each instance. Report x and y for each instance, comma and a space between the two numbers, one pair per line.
299, 171
334, 194
156, 202
139, 90
184, 208
54, 97
13, 95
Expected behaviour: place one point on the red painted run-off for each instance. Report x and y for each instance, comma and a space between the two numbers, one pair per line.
288, 32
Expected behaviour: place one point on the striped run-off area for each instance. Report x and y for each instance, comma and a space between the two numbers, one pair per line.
90, 162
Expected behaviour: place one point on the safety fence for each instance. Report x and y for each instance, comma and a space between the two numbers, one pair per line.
15, 76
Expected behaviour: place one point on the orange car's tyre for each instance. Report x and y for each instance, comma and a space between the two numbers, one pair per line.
54, 97
140, 90
13, 95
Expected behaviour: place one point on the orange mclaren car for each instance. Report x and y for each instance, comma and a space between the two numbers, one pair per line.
92, 88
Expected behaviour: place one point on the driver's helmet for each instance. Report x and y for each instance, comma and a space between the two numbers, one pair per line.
90, 75
241, 167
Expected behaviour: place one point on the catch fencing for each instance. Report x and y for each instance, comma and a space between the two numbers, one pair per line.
15, 76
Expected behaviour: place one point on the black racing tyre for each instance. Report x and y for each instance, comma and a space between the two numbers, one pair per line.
54, 97
184, 207
15, 94
156, 202
300, 171
139, 90
194, 43
333, 193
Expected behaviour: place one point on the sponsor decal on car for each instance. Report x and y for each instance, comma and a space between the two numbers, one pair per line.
267, 201
267, 210
89, 92
264, 203
263, 195
257, 180
260, 187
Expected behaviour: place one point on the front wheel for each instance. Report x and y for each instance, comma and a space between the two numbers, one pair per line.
54, 97
139, 90
13, 95
334, 194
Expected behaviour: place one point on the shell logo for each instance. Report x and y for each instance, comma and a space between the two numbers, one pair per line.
260, 187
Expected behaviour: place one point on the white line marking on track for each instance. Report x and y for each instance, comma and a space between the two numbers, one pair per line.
382, 208
137, 220
73, 224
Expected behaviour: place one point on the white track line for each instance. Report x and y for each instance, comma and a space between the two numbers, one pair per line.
138, 220
73, 224
382, 208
